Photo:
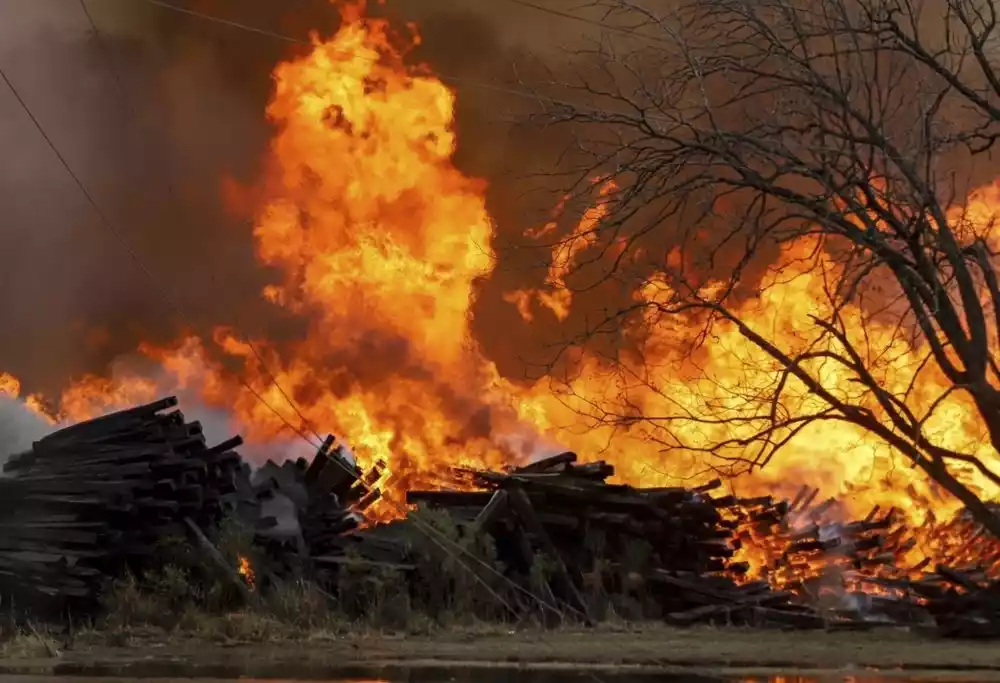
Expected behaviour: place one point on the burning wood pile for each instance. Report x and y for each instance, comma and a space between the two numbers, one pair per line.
673, 549
862, 571
668, 547
91, 501
680, 551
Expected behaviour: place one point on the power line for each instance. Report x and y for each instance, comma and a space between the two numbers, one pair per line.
462, 80
86, 193
106, 51
128, 105
106, 222
299, 41
227, 22
586, 20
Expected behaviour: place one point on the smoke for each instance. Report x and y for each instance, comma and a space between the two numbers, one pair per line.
19, 427
153, 112
217, 425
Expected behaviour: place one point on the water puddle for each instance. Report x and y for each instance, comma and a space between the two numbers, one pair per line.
163, 673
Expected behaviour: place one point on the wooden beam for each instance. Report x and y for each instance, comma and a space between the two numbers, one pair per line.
526, 512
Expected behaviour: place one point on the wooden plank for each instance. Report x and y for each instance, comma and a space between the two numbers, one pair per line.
494, 508
522, 506
319, 462
213, 554
449, 498
338, 475
599, 470
548, 464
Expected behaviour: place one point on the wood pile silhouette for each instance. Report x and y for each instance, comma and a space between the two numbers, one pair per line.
90, 503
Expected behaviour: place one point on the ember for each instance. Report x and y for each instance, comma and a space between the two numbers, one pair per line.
245, 570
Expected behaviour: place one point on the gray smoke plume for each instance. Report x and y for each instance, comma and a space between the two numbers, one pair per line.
19, 427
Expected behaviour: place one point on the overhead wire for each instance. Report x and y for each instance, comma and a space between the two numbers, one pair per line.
587, 20
109, 225
109, 58
450, 78
434, 534
226, 22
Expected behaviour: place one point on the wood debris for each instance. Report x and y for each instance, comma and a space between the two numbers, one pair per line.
91, 502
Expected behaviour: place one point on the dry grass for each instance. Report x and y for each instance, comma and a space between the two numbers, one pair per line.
187, 597
30, 643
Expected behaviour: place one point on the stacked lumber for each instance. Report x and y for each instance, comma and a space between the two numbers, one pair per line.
803, 536
92, 501
814, 569
89, 502
959, 594
865, 570
963, 603
845, 569
306, 512
588, 531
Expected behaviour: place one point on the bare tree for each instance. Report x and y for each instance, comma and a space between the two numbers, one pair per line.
831, 133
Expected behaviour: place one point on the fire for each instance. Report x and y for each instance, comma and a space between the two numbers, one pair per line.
11, 387
246, 571
381, 242
556, 296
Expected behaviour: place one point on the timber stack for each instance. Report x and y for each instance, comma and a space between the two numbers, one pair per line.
676, 546
671, 549
593, 538
91, 502
668, 547
307, 514
807, 549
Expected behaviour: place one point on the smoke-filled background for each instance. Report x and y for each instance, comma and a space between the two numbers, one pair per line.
158, 112
161, 114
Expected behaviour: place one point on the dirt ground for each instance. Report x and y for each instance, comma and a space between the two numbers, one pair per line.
657, 648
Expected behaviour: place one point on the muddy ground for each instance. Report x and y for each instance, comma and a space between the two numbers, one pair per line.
650, 649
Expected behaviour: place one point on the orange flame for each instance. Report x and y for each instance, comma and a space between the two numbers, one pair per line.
382, 241
11, 387
246, 571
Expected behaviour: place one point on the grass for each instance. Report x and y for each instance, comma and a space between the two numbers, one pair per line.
456, 584
27, 642
186, 610
186, 596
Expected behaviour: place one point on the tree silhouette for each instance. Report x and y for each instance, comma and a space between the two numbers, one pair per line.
754, 144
